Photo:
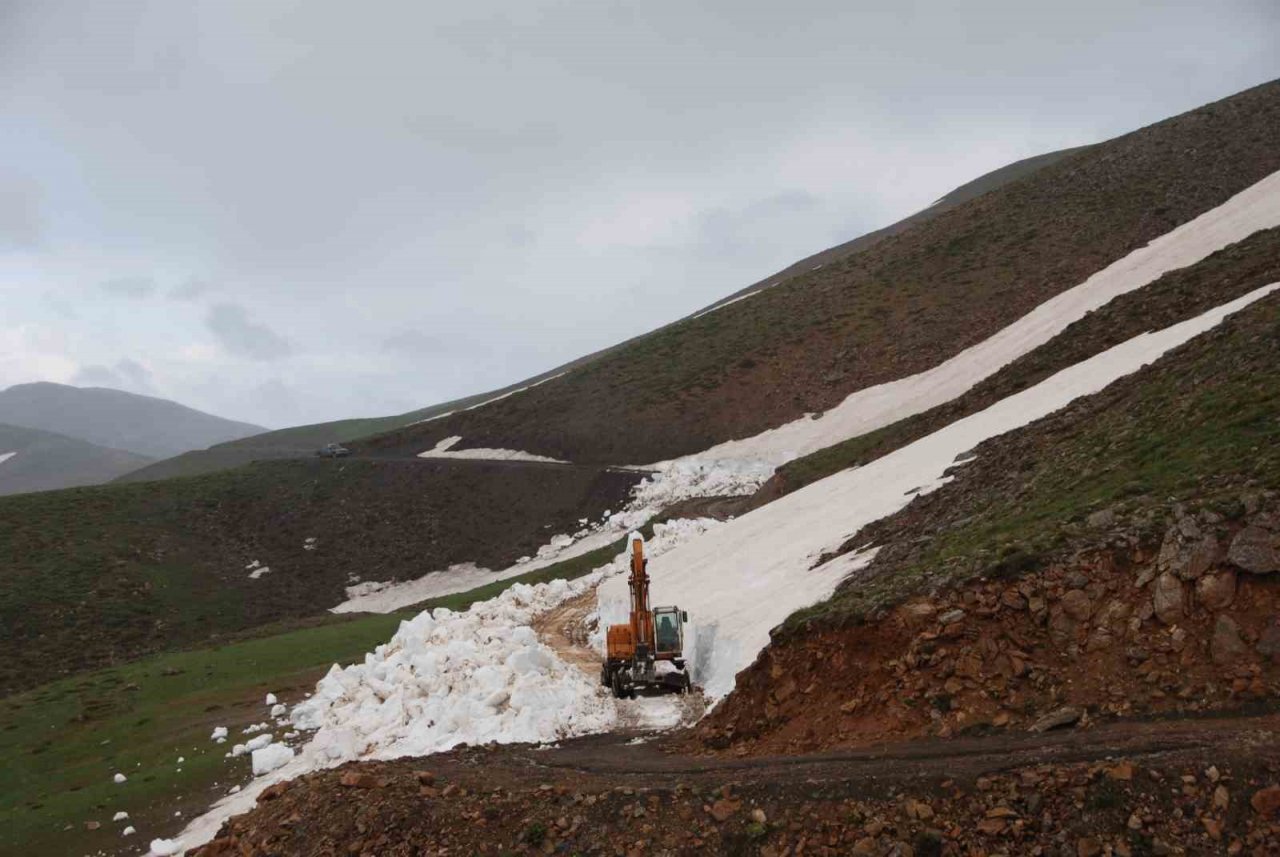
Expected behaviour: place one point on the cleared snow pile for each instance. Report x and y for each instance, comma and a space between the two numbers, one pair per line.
743, 578
269, 758
444, 449
447, 678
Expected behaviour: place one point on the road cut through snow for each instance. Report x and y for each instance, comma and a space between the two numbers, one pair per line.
740, 466
445, 678
740, 580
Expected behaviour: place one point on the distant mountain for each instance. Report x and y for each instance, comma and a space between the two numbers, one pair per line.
34, 460
147, 426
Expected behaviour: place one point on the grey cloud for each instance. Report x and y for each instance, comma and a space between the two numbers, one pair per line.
191, 290
19, 216
415, 342
126, 374
241, 336
130, 287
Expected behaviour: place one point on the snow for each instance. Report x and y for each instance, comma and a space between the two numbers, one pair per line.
740, 466
5, 456
444, 449
219, 734
389, 596
270, 699
491, 401
120, 816
720, 306
258, 572
741, 579
119, 778
128, 831
166, 847
445, 678
270, 758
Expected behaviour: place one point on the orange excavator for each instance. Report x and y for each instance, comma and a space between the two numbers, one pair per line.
648, 651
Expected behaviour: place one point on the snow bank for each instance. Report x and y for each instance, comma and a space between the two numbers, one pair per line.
443, 449
269, 758
743, 578
5, 456
731, 301
751, 460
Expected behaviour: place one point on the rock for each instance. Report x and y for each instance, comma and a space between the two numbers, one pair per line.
1054, 719
1186, 554
1226, 645
758, 816
1168, 598
1255, 550
1269, 642
357, 780
992, 826
1101, 519
272, 792
914, 615
1266, 802
1221, 798
1123, 772
951, 617
92, 825
722, 810
1077, 604
1216, 591
425, 778
1088, 847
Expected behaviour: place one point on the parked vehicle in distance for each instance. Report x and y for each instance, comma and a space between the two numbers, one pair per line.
333, 450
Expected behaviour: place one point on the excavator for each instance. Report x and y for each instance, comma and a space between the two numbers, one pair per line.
638, 653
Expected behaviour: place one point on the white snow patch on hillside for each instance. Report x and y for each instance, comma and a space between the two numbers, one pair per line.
720, 306
5, 456
443, 449
752, 460
490, 401
445, 678
741, 579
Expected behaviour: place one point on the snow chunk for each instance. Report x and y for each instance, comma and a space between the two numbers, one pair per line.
120, 816
219, 734
270, 758
128, 831
119, 778
258, 572
443, 449
271, 699
165, 847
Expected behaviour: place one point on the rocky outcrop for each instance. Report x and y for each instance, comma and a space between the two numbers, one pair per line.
1256, 550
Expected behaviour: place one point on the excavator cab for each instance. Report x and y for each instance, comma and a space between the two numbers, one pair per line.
668, 629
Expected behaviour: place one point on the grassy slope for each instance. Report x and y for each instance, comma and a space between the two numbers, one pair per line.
140, 717
1178, 295
96, 576
1201, 426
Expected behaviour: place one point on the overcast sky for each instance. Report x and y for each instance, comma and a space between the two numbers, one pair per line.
286, 212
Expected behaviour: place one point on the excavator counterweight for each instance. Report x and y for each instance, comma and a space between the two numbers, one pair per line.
648, 651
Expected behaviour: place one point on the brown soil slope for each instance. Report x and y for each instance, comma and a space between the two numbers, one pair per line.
1131, 789
97, 576
1117, 557
902, 305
